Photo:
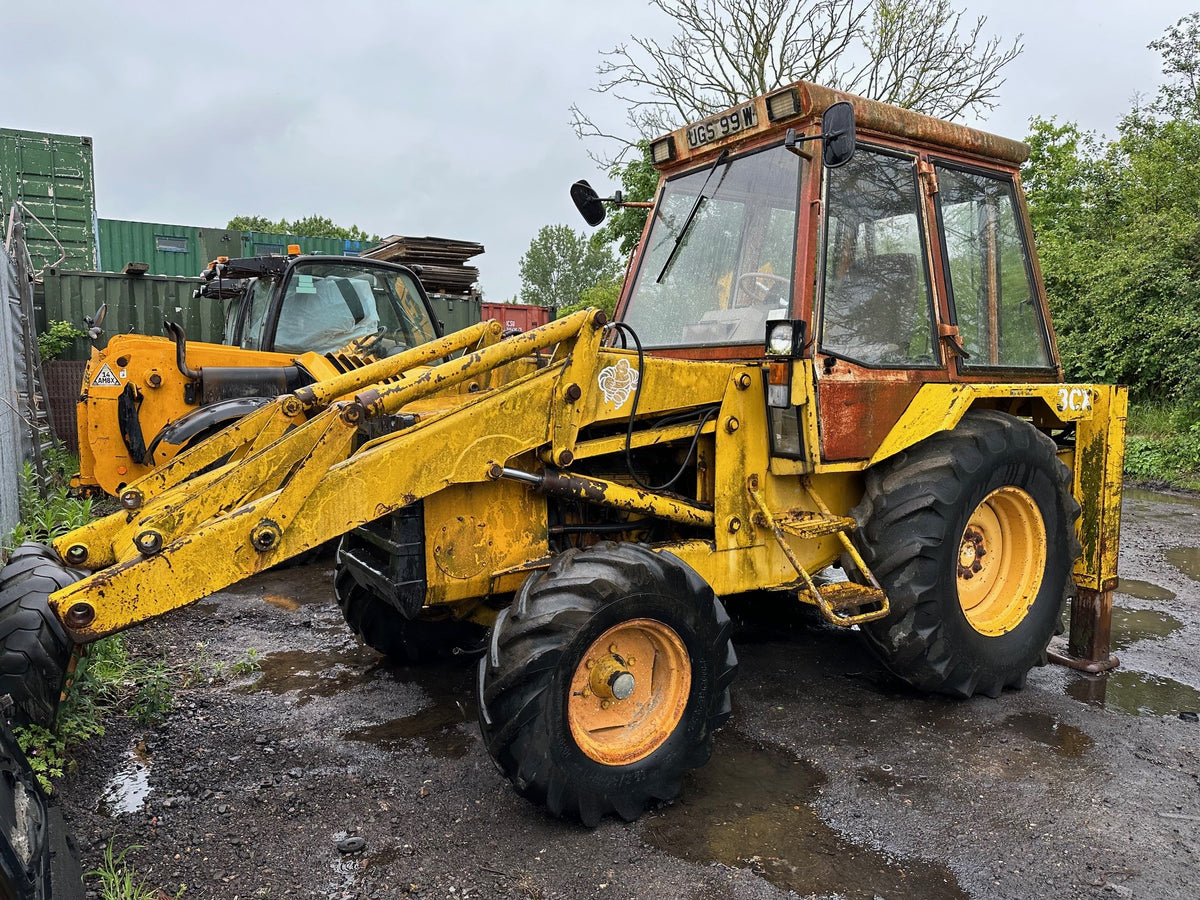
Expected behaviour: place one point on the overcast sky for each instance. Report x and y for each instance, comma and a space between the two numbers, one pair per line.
447, 119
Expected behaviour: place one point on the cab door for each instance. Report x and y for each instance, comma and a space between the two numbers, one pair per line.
876, 342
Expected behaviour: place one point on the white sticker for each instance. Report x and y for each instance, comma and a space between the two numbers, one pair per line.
106, 378
304, 285
618, 382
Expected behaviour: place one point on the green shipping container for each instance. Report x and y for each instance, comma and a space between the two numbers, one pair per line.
166, 249
261, 243
53, 176
136, 303
180, 250
455, 311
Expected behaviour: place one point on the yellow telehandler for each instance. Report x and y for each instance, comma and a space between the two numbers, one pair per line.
289, 321
833, 350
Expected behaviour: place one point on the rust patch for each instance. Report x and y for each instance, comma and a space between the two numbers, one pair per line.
856, 416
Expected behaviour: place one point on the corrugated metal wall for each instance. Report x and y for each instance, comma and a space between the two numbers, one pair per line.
262, 243
53, 175
139, 304
135, 304
11, 426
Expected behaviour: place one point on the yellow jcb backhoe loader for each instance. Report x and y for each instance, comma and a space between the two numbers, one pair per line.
833, 349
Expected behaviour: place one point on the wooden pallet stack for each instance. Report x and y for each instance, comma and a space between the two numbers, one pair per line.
442, 261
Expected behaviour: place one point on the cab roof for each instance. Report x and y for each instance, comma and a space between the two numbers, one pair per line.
803, 102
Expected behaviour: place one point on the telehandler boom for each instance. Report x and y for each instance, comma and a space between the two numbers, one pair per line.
822, 357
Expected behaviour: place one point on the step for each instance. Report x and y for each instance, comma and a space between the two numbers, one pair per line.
805, 523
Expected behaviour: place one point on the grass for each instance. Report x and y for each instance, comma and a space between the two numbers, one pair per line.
108, 683
119, 881
1163, 446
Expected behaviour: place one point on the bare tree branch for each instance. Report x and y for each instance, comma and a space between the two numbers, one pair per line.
914, 53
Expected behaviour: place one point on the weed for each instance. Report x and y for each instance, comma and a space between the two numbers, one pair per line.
247, 664
1164, 443
108, 682
119, 881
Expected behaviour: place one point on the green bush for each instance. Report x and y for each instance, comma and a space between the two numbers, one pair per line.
57, 338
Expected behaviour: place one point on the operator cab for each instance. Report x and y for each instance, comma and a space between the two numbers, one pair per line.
321, 304
897, 256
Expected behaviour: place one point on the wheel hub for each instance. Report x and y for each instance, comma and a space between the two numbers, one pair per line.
629, 692
1001, 561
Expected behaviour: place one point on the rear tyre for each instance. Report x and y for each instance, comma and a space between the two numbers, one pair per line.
971, 533
605, 681
384, 628
34, 648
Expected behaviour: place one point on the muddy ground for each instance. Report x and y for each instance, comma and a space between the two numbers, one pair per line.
327, 773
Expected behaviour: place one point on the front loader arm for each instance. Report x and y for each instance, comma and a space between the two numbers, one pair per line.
311, 484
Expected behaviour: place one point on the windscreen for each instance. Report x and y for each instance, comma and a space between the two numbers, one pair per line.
720, 253
327, 305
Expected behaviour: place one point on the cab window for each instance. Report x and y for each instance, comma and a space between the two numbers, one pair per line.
876, 299
713, 279
992, 292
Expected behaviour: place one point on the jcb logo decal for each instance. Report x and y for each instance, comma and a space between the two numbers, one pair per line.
1074, 399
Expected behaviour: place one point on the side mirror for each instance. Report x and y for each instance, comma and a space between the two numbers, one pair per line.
587, 201
95, 323
837, 131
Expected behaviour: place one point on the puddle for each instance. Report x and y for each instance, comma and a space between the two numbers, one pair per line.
315, 673
436, 727
1144, 590
282, 601
126, 791
1186, 560
1132, 625
1065, 740
1136, 693
749, 808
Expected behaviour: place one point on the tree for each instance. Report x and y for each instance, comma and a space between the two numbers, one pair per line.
638, 182
309, 226
561, 264
919, 54
1119, 237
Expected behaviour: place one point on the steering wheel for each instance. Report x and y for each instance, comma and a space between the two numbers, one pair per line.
757, 288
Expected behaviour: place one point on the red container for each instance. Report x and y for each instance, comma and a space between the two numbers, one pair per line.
516, 315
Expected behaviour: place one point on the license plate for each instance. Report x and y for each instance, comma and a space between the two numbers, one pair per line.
722, 126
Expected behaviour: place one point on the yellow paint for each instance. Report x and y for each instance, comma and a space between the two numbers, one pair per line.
1001, 559
628, 692
296, 483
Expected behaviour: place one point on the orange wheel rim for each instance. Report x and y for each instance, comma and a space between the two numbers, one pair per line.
629, 692
1001, 561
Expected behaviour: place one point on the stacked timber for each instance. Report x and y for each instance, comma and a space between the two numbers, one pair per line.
442, 261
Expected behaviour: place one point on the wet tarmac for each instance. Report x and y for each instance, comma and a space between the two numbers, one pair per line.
329, 773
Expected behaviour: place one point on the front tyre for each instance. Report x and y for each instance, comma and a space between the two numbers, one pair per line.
971, 533
605, 681
34, 647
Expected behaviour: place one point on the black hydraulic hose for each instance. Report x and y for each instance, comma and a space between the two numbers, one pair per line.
708, 414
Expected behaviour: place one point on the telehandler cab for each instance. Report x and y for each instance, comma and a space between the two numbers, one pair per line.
289, 321
833, 357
